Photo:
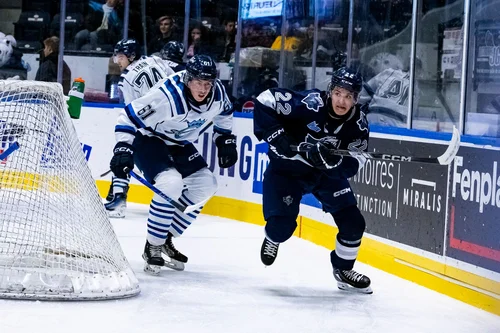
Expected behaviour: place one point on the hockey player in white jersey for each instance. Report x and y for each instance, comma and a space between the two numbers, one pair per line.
155, 132
139, 75
387, 96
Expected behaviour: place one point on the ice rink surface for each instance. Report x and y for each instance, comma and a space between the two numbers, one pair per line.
225, 288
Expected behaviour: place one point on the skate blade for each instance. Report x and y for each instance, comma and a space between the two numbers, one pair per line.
152, 269
117, 213
174, 264
349, 288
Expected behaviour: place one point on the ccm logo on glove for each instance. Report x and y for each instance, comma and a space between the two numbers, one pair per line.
122, 158
122, 149
275, 135
226, 150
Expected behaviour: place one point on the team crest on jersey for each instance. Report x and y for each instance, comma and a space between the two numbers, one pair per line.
313, 101
362, 122
314, 126
191, 126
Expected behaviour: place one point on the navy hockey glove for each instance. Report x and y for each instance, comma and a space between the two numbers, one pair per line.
322, 157
226, 150
281, 142
123, 157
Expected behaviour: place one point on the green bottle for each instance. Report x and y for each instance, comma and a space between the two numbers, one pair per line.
75, 100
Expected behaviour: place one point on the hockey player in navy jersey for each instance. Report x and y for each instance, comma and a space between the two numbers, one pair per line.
172, 53
139, 75
155, 132
317, 122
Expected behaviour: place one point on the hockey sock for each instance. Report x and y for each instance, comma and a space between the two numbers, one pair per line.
119, 184
351, 224
181, 221
159, 220
345, 253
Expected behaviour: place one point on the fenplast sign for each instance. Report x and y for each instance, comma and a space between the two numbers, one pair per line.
474, 222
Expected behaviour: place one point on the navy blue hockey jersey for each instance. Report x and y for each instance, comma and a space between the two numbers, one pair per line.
305, 117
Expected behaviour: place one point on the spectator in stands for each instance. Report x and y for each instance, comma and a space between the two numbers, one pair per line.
293, 38
103, 25
305, 49
197, 41
47, 71
226, 43
166, 33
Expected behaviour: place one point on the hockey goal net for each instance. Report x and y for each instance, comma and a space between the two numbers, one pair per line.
56, 241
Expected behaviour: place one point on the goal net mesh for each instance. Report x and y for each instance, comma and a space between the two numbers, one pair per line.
56, 241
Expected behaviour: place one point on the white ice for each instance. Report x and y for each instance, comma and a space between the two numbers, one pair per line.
225, 288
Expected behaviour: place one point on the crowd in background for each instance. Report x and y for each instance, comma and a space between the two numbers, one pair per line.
281, 52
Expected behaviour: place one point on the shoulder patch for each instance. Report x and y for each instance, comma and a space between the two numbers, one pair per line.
313, 126
313, 101
267, 99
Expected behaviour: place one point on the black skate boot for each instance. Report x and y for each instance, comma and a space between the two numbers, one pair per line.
352, 281
153, 259
110, 195
177, 259
117, 206
268, 252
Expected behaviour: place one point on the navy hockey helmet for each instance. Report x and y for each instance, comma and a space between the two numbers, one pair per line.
347, 78
173, 51
129, 47
201, 67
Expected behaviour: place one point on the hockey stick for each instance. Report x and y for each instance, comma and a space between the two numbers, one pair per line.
106, 173
13, 147
179, 206
445, 159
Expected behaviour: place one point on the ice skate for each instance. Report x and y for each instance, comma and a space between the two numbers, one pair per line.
351, 280
176, 259
153, 259
116, 207
268, 252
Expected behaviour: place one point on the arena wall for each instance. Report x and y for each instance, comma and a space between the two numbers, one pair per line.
437, 226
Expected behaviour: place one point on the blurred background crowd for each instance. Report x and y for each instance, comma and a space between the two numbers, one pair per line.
427, 64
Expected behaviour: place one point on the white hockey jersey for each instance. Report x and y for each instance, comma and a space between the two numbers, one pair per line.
141, 75
166, 113
389, 98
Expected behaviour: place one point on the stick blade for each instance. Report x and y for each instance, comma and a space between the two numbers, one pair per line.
192, 208
452, 150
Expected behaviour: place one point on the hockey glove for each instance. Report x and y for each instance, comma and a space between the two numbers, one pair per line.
226, 150
281, 142
123, 157
322, 157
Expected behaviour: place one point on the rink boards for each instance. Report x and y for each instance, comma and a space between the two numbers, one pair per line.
434, 225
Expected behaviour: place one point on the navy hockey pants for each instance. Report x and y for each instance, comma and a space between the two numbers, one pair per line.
283, 188
153, 156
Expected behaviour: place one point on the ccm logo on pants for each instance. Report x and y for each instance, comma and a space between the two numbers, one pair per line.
192, 157
342, 191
